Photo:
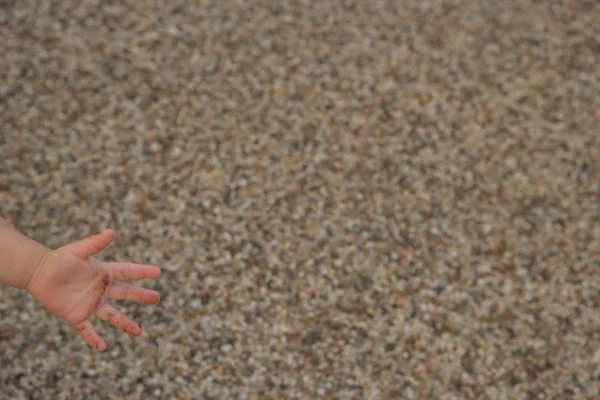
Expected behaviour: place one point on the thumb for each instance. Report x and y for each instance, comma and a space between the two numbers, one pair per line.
91, 245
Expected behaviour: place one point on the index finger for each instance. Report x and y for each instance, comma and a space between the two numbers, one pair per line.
124, 271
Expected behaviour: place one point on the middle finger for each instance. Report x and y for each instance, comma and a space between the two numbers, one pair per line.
125, 291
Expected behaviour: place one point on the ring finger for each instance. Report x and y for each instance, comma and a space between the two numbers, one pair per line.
116, 318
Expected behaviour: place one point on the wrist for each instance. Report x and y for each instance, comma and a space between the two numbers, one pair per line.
21, 257
37, 264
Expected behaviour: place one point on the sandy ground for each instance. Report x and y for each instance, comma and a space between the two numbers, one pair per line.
349, 199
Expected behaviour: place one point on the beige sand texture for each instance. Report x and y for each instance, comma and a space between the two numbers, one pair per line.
359, 199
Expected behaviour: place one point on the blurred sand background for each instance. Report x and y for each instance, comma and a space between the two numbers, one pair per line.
350, 199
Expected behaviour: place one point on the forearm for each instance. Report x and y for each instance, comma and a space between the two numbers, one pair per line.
19, 256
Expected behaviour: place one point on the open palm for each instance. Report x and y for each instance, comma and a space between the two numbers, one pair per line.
74, 285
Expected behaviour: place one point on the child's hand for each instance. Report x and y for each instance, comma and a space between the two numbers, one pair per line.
75, 286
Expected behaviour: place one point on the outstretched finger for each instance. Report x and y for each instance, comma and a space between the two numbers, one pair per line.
91, 245
125, 291
116, 318
88, 333
124, 271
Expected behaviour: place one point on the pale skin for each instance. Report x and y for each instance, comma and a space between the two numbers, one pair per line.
72, 283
